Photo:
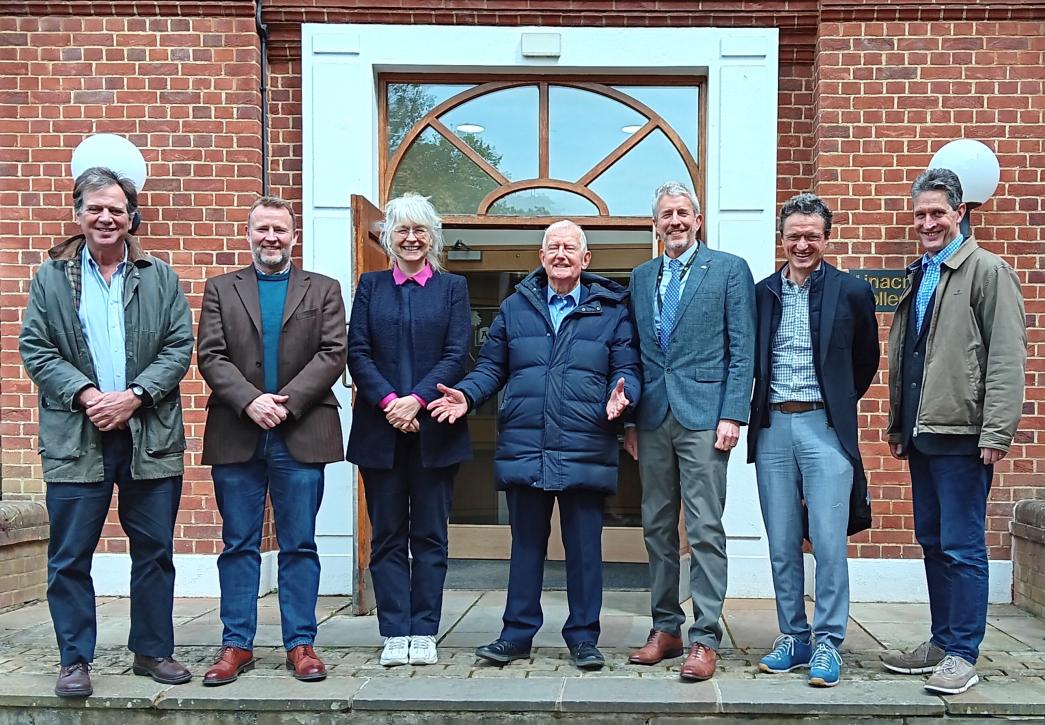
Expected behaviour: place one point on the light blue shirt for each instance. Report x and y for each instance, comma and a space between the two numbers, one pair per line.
665, 280
561, 305
102, 318
931, 276
793, 372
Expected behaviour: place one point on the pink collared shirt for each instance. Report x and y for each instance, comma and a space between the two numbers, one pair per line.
422, 277
401, 278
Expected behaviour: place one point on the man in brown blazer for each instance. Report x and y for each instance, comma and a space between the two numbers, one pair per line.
271, 344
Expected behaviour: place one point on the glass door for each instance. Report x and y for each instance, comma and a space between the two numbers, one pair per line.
479, 518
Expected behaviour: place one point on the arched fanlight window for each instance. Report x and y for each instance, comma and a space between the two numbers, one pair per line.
538, 148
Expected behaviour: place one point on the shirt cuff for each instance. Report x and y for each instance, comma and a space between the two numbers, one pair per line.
386, 400
419, 399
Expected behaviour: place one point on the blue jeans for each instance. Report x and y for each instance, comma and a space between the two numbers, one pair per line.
296, 490
798, 456
147, 512
950, 510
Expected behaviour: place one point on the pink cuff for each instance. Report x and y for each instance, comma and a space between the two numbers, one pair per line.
419, 399
386, 400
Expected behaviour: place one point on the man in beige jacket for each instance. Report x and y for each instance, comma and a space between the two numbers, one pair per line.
957, 355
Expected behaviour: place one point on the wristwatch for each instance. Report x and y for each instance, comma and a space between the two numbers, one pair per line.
139, 391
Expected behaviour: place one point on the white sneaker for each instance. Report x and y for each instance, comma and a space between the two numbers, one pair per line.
422, 650
396, 651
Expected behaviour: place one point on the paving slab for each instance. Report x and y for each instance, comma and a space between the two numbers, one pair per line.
264, 695
40, 634
905, 635
667, 694
347, 631
110, 691
1022, 627
851, 697
751, 628
889, 612
27, 616
454, 695
1021, 697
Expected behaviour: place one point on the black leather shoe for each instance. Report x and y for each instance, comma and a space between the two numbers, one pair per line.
74, 681
587, 656
165, 670
502, 652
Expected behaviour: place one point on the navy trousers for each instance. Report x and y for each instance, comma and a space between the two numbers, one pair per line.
77, 511
580, 517
409, 508
950, 508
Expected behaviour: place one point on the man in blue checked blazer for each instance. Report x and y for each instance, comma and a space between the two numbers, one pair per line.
695, 313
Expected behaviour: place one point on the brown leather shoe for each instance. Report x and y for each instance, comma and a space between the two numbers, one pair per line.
166, 670
74, 681
700, 665
306, 664
230, 663
659, 646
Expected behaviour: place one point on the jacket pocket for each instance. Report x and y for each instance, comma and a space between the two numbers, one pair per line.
164, 432
61, 431
709, 375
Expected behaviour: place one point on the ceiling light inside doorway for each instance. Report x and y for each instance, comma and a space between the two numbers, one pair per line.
470, 128
630, 128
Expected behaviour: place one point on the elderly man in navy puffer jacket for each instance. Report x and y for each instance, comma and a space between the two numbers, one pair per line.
565, 346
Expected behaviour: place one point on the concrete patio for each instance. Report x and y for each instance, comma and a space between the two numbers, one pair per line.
545, 687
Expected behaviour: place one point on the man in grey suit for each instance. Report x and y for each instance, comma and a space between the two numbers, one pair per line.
695, 312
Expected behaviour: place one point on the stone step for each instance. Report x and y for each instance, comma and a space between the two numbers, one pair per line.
125, 699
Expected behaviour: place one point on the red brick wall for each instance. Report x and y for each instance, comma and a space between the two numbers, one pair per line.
185, 91
889, 95
862, 109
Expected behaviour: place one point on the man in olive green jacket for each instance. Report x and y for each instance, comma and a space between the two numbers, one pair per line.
107, 338
957, 356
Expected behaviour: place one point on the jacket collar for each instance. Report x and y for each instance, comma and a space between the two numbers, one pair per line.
72, 247
954, 261
597, 286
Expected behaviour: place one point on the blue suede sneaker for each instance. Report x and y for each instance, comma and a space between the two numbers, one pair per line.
788, 654
825, 667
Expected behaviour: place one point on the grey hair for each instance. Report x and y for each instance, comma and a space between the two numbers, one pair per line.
565, 224
412, 209
675, 188
943, 180
808, 205
274, 202
99, 177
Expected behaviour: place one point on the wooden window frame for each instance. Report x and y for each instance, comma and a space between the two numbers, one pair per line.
485, 84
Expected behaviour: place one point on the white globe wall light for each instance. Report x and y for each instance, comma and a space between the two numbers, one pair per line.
115, 153
977, 168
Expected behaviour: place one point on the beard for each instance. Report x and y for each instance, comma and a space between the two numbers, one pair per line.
271, 265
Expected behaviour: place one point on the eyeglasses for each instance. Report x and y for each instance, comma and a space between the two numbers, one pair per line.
404, 232
810, 238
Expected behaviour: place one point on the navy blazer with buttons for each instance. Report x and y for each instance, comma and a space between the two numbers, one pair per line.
439, 333
844, 336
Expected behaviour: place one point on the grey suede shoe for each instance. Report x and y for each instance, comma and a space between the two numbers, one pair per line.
952, 676
921, 660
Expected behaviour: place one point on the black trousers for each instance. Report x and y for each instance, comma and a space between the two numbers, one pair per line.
147, 511
409, 509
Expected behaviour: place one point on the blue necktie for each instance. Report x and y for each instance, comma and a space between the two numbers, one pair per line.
670, 306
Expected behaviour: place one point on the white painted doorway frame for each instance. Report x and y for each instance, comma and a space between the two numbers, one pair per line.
340, 66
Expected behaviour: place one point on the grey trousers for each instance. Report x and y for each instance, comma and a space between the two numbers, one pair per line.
681, 467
